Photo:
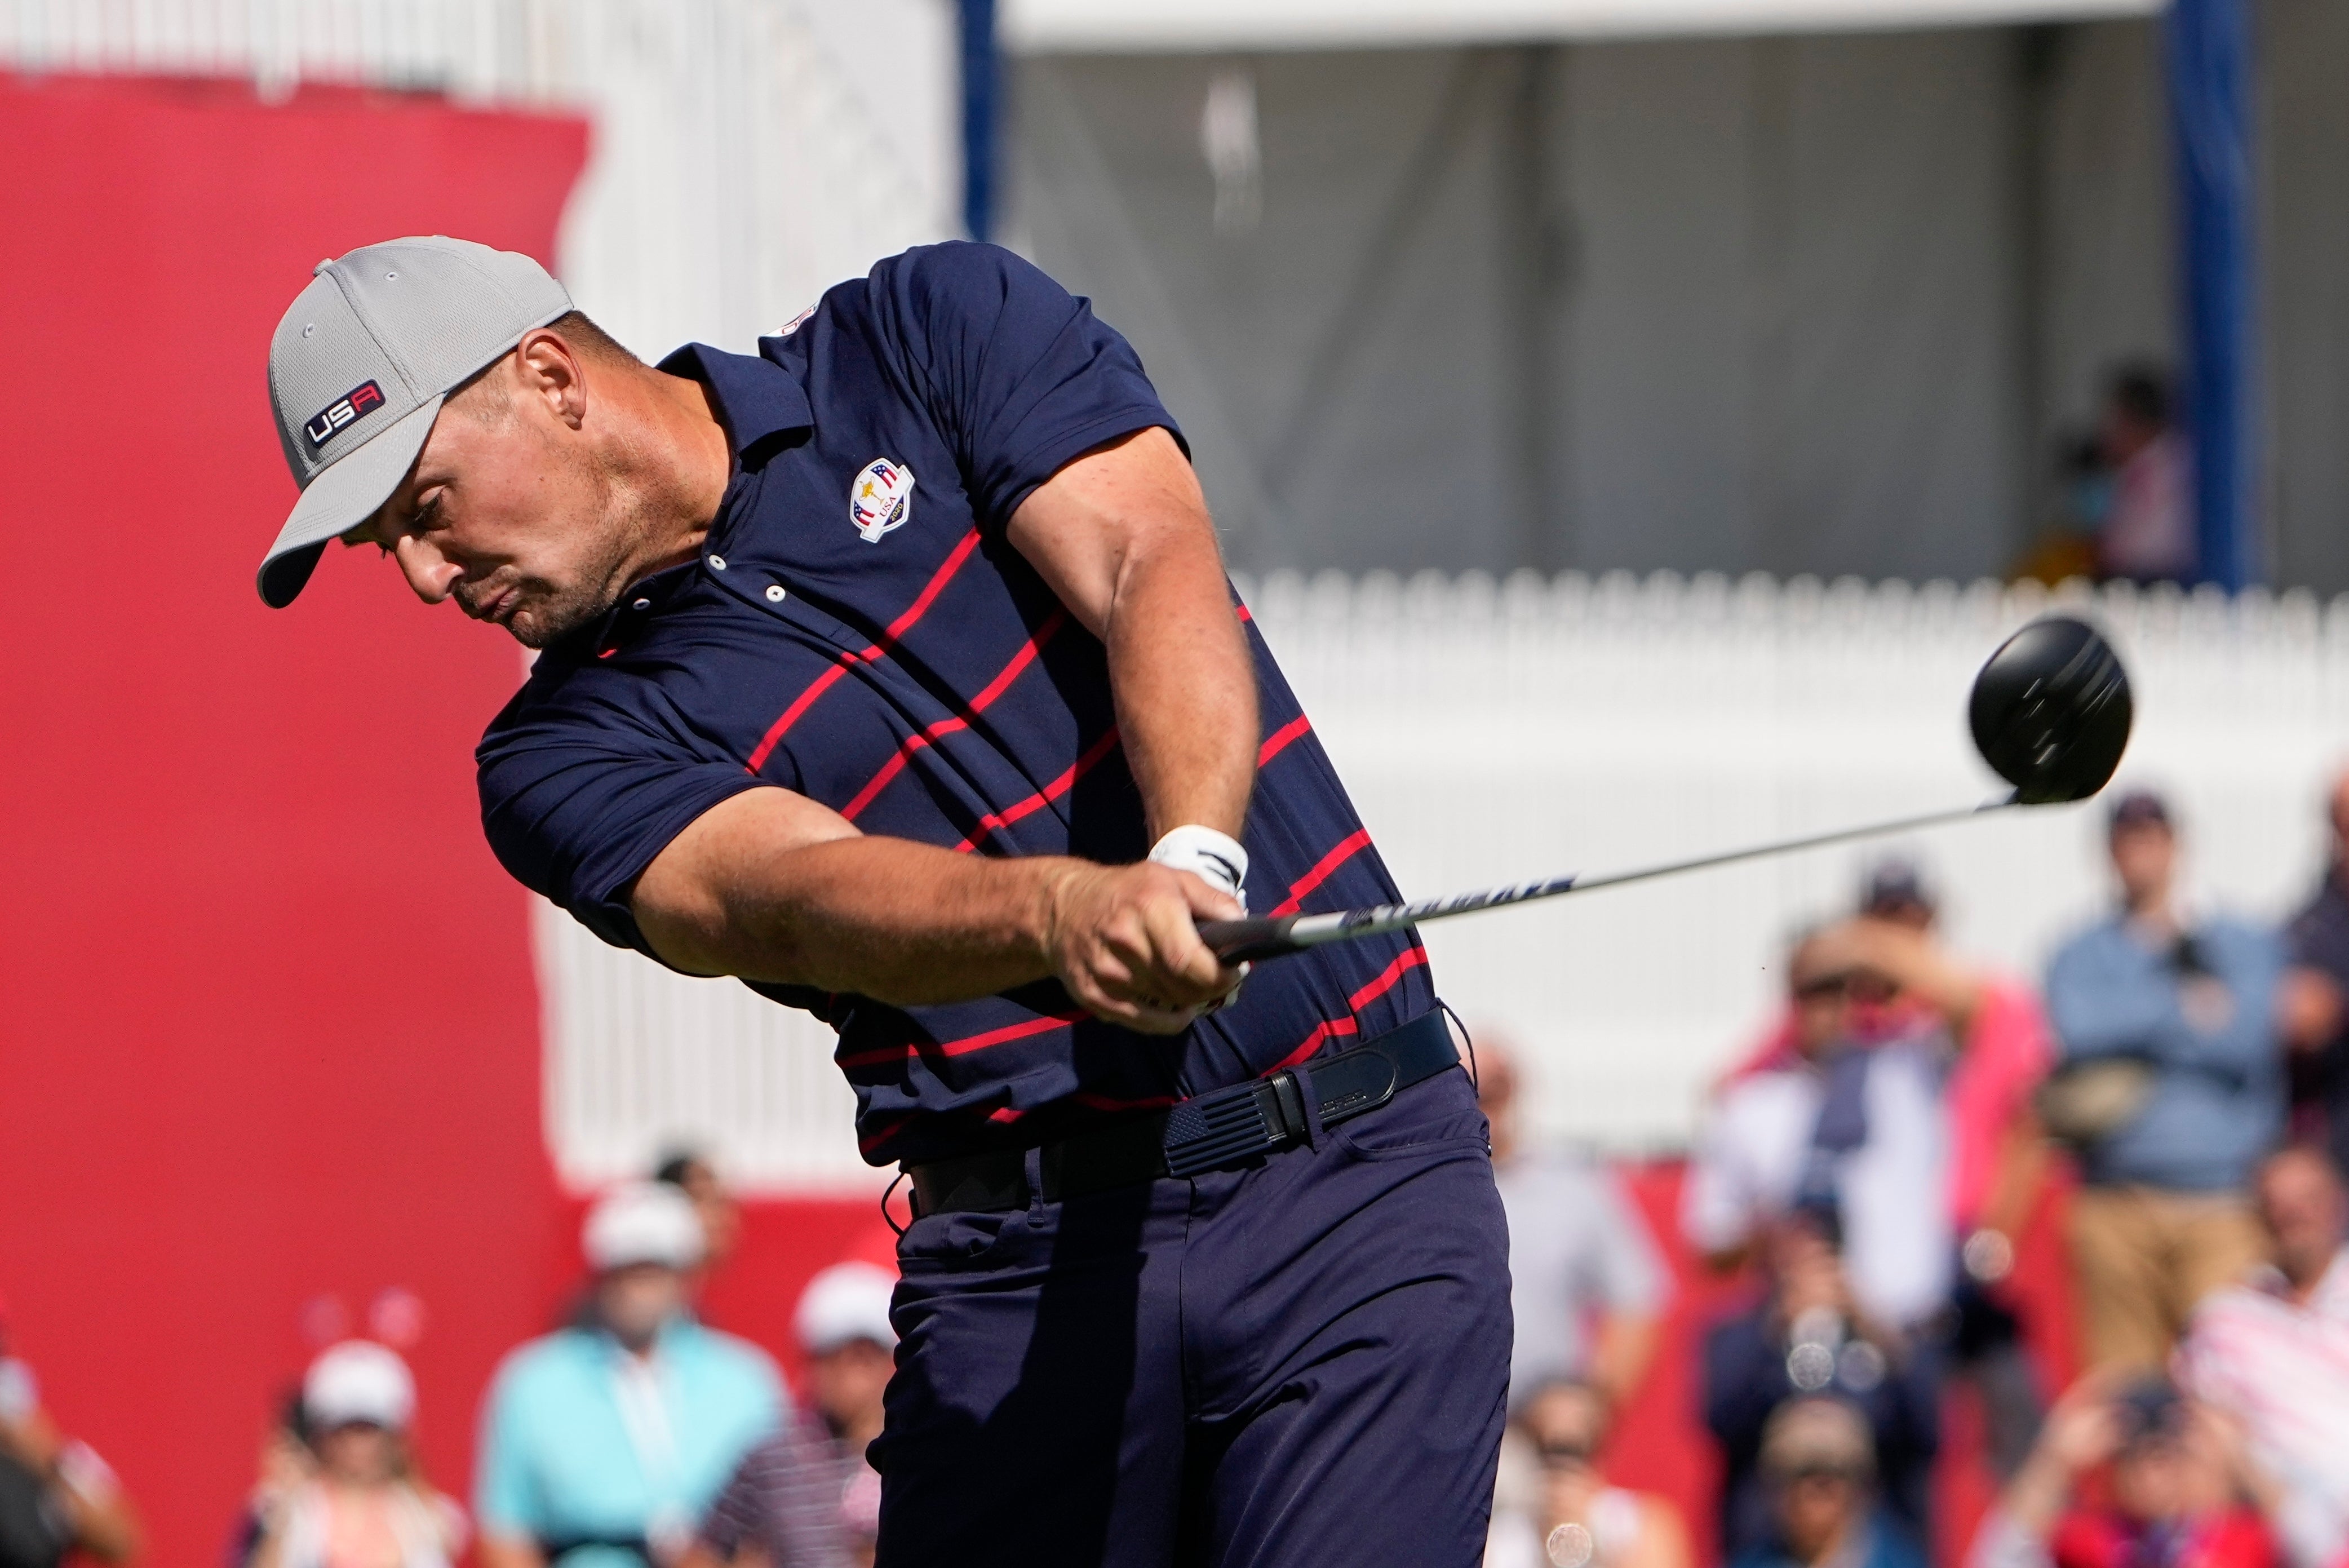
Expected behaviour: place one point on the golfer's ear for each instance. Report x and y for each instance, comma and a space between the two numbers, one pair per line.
549, 370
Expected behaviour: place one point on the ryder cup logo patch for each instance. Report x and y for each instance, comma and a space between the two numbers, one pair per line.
360, 399
880, 498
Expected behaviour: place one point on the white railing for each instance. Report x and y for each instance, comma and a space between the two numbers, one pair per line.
1493, 732
746, 154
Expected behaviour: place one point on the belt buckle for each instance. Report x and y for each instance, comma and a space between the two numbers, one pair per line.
1225, 1126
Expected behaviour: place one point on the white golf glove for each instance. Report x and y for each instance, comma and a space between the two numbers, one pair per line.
1216, 858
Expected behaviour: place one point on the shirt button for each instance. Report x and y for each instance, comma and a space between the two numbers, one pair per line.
717, 562
775, 593
642, 605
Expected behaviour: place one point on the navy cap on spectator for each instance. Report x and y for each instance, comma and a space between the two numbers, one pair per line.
1894, 887
2140, 808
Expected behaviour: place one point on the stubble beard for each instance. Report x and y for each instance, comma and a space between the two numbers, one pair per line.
625, 522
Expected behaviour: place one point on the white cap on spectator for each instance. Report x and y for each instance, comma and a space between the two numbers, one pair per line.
642, 1222
846, 1301
359, 1380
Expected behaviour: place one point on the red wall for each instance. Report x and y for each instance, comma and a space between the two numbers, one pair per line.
268, 1031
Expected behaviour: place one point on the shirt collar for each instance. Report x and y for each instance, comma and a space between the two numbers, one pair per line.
756, 398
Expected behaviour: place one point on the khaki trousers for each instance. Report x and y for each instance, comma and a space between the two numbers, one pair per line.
2144, 1258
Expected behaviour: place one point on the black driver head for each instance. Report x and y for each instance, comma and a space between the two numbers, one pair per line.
2051, 710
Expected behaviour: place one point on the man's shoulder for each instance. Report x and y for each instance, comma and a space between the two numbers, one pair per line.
2099, 939
538, 1366
2252, 939
950, 274
1560, 1176
940, 293
728, 1356
1767, 1093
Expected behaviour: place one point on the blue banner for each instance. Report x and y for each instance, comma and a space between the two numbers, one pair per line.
2210, 64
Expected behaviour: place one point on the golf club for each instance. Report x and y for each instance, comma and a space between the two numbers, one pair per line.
2050, 713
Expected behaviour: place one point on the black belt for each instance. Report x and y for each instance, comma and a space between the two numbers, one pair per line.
1213, 1131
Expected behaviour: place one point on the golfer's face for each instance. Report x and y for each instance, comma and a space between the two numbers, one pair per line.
502, 518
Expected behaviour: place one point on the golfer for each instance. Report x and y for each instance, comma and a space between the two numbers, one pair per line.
893, 669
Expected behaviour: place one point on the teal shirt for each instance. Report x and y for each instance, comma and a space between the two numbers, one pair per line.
576, 1445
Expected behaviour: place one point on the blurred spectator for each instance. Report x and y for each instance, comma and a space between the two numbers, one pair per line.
1906, 986
56, 1496
2313, 1006
1567, 1512
1840, 1122
806, 1494
354, 1497
2273, 1354
2148, 532
2172, 1501
1997, 1151
1812, 1337
692, 1173
2168, 1019
1580, 1258
1820, 1471
600, 1448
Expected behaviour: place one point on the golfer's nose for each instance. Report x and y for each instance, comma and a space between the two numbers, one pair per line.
430, 573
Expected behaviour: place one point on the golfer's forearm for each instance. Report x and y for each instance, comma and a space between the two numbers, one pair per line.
901, 922
1186, 688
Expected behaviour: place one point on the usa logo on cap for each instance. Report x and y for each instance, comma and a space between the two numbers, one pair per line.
880, 498
358, 400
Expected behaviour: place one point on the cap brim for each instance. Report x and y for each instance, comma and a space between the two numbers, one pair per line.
345, 494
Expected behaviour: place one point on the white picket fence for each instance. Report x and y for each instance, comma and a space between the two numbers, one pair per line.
1491, 731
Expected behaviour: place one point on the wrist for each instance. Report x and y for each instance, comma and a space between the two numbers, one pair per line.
1214, 856
1057, 879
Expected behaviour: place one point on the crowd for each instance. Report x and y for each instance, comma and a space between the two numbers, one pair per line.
1870, 1167
633, 1435
2176, 1086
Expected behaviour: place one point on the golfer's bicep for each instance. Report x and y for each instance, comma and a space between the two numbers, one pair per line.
708, 901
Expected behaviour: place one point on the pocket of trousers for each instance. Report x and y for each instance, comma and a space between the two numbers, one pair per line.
944, 1242
1434, 1117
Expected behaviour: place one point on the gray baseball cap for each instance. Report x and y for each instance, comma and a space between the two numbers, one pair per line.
360, 366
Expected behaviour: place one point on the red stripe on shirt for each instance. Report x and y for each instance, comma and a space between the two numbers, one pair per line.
1348, 847
888, 642
1045, 796
1405, 962
996, 688
964, 1046
874, 1140
1278, 742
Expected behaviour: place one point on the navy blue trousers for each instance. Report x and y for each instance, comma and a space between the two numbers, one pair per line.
1300, 1362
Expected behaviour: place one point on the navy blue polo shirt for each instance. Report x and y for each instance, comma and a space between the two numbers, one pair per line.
858, 629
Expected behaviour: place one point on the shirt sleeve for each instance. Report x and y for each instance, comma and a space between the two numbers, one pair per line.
734, 1517
1017, 374
502, 1498
1716, 1209
577, 802
1629, 1275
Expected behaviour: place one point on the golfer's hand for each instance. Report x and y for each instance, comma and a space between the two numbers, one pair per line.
1124, 942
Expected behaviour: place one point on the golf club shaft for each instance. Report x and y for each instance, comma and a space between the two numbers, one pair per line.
1267, 938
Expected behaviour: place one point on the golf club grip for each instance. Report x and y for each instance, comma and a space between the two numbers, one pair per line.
1250, 940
